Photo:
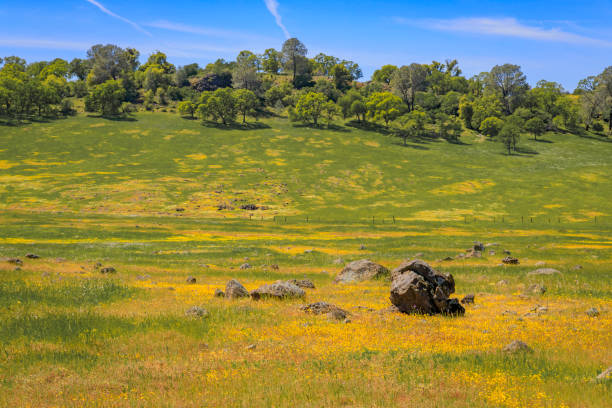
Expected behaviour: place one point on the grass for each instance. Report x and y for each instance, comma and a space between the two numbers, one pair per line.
85, 190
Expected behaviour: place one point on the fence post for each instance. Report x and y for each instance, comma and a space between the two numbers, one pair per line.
394, 219
372, 220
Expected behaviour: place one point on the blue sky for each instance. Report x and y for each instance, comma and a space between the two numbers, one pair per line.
563, 41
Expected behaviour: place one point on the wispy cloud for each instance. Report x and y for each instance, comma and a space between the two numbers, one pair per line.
272, 6
44, 44
506, 27
125, 20
204, 31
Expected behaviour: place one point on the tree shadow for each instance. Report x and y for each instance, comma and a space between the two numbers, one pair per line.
236, 125
410, 145
602, 138
542, 141
370, 127
117, 118
458, 142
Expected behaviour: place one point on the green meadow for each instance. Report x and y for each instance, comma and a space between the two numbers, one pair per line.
159, 198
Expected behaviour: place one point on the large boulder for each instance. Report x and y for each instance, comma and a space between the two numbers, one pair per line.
362, 270
234, 289
418, 288
278, 290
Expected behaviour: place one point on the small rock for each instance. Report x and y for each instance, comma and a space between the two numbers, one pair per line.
338, 261
336, 314
605, 374
510, 260
15, 261
32, 256
491, 253
191, 280
491, 244
143, 277
308, 251
592, 312
502, 282
274, 267
302, 283
448, 258
219, 293
478, 246
536, 289
362, 247
97, 265
179, 209
544, 271
469, 298
577, 267
45, 274
516, 346
507, 252
17, 269
347, 320
245, 266
170, 288
234, 289
251, 347
541, 263
249, 207
509, 313
108, 269
318, 308
418, 255
196, 311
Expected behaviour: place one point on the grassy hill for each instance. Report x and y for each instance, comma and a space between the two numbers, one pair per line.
85, 190
157, 162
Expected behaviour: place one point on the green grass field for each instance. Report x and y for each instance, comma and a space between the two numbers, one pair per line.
84, 190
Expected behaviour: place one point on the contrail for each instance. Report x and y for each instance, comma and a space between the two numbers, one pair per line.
272, 6
125, 20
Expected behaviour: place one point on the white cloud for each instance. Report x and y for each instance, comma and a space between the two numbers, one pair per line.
272, 6
46, 44
204, 31
506, 27
125, 20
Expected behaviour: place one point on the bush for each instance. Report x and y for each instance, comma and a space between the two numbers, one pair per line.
598, 127
491, 126
67, 107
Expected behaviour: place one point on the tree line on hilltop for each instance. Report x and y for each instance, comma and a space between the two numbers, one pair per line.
411, 101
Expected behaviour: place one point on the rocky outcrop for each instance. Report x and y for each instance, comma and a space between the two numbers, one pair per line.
278, 290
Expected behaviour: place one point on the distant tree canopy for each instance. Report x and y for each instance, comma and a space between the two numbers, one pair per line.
411, 100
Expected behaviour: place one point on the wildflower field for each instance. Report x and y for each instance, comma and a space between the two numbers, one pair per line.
144, 195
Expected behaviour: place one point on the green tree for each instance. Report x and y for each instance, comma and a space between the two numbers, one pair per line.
359, 109
509, 136
342, 77
466, 112
222, 105
449, 127
293, 56
491, 126
384, 106
271, 61
407, 81
411, 125
384, 74
535, 126
509, 83
187, 108
246, 102
107, 97
110, 62
310, 107
346, 102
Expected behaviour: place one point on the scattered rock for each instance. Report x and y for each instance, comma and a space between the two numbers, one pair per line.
491, 253
502, 282
143, 277
540, 263
544, 271
249, 207
251, 347
15, 261
507, 252
491, 244
302, 283
473, 254
278, 290
308, 251
448, 258
234, 289
336, 314
478, 246
605, 374
179, 209
108, 269
191, 280
592, 312
97, 265
196, 311
362, 270
468, 299
536, 289
245, 266
219, 293
418, 288
509, 313
318, 308
338, 261
517, 346
510, 260
17, 269
224, 206
274, 267
362, 247
577, 267
418, 255
32, 256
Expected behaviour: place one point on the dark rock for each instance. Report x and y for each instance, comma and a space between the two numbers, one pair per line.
362, 270
191, 279
97, 265
245, 266
234, 289
318, 308
274, 267
507, 252
278, 290
196, 311
510, 261
577, 267
302, 283
448, 258
219, 293
517, 346
469, 298
478, 246
249, 207
32, 256
108, 269
362, 247
15, 261
418, 288
180, 209
592, 312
